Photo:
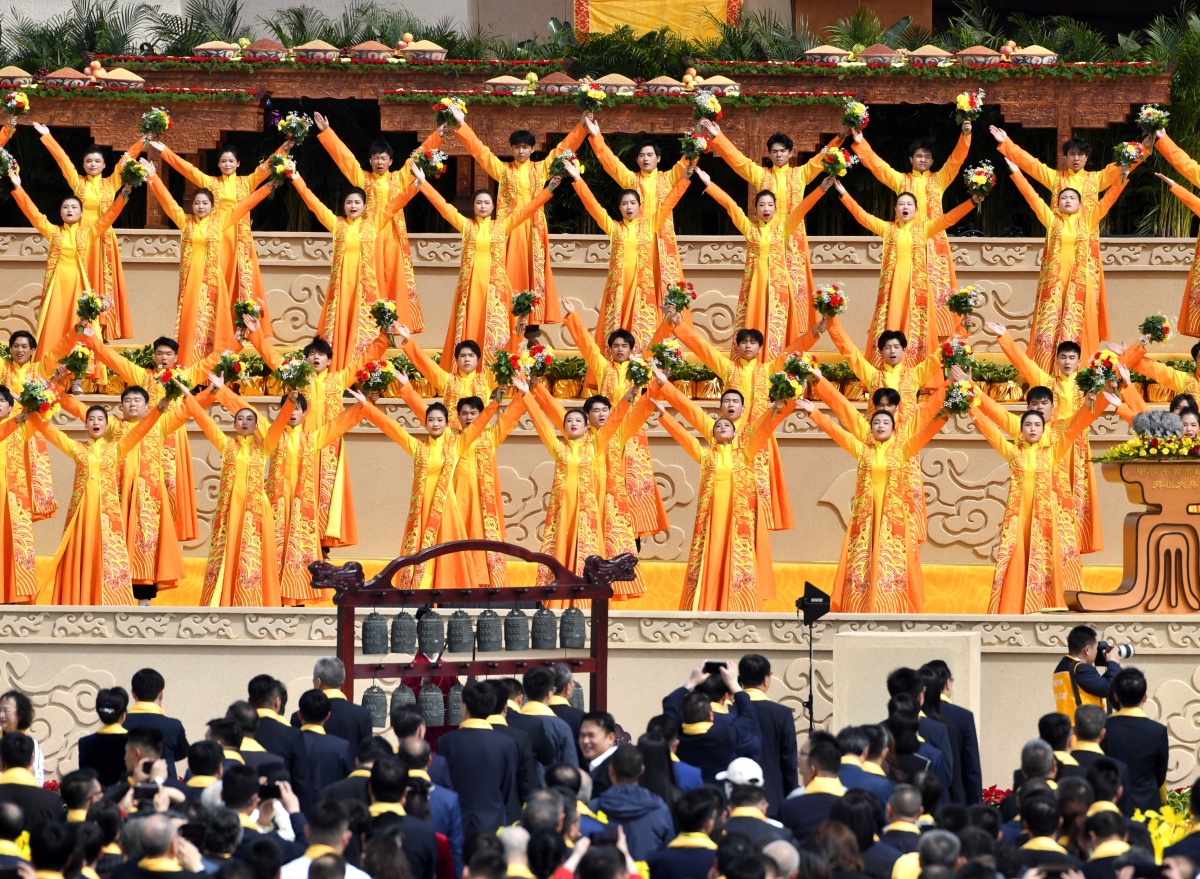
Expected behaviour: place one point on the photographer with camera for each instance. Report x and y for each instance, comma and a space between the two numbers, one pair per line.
1077, 680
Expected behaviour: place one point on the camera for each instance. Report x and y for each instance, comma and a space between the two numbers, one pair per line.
1104, 651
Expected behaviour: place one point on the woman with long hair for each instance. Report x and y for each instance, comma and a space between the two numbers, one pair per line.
841, 848
104, 750
659, 773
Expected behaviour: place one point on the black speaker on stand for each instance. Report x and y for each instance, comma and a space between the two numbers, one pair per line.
810, 607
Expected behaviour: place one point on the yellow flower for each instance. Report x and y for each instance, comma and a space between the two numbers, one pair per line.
964, 102
581, 167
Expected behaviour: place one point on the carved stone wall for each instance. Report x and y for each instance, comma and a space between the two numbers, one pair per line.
61, 658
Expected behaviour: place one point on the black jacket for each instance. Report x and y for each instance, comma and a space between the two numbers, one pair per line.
352, 788
39, 806
601, 778
681, 863
777, 725
574, 719
966, 760
735, 734
284, 741
529, 774
175, 743
805, 813
1141, 744
347, 721
105, 753
328, 760
1035, 858
483, 764
760, 832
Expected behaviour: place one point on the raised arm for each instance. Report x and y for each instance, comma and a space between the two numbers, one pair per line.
448, 211
1084, 416
611, 164
796, 217
411, 399
992, 433
53, 435
949, 170
599, 214
746, 168
928, 431
235, 404
268, 352
1005, 420
279, 425
698, 345
861, 366
843, 438
553, 409
1024, 364
44, 227
405, 174
868, 221
1043, 174
471, 434
480, 152
391, 429
324, 215
65, 165
396, 205
1036, 203
104, 223
205, 422
883, 172
189, 171
721, 197
263, 170
342, 157
762, 429
130, 155
510, 417
693, 413
1164, 375
843, 409
573, 141
170, 207
1178, 159
130, 440
947, 220
436, 376
664, 210
542, 424
535, 204
1186, 196
681, 435
597, 363
1109, 199
244, 206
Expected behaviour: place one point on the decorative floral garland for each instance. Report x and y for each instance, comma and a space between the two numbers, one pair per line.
1086, 71
450, 67
642, 99
147, 95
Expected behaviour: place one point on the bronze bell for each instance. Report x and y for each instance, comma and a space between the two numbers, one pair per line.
454, 714
403, 695
374, 634
431, 633
545, 630
433, 706
459, 637
572, 629
516, 630
489, 631
404, 633
577, 697
375, 701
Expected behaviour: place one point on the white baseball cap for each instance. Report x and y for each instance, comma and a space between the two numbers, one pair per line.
742, 770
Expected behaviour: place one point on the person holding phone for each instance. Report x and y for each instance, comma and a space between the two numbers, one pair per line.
708, 740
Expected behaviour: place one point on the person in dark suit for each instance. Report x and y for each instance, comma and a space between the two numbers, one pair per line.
558, 745
820, 762
1106, 837
267, 696
1189, 846
444, 809
858, 810
104, 750
560, 703
903, 812
566, 778
710, 741
483, 762
240, 792
51, 846
597, 743
909, 682
251, 752
531, 726
328, 755
687, 776
79, 789
855, 744
389, 788
931, 709
354, 786
777, 726
1136, 740
748, 806
529, 771
1037, 763
1089, 733
962, 720
148, 687
159, 844
1041, 818
407, 720
346, 720
691, 853
206, 762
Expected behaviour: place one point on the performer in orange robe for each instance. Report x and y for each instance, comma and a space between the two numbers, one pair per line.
1189, 311
18, 575
767, 301
633, 289
483, 298
335, 501
1178, 381
394, 279
880, 567
905, 297
66, 262
928, 187
92, 562
1037, 557
434, 513
653, 188
97, 193
242, 564
238, 256
1070, 304
205, 319
346, 322
730, 555
466, 378
528, 258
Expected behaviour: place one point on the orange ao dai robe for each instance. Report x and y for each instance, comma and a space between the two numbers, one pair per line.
67, 274
1189, 311
752, 378
655, 188
178, 476
18, 577
103, 262
927, 187
454, 385
636, 468
528, 258
238, 257
1037, 555
335, 502
730, 556
632, 297
241, 569
880, 567
767, 302
205, 320
482, 309
394, 275
1160, 373
346, 322
92, 562
905, 299
1070, 302
434, 513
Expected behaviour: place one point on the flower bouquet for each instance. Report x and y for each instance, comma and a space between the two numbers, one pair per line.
590, 98
1127, 155
801, 366
558, 167
16, 103
295, 127
229, 367
955, 352
8, 163
638, 372
78, 360
960, 397
1151, 118
295, 373
431, 162
784, 387
155, 122
1157, 327
836, 161
680, 295
441, 110
280, 167
1096, 375
968, 106
666, 355
133, 173
375, 376
980, 179
401, 364
383, 311
36, 398
505, 367
706, 106
172, 384
524, 303
693, 144
245, 308
89, 307
1147, 445
829, 300
542, 357
855, 114
965, 301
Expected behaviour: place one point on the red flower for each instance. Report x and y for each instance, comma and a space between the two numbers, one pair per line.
237, 367
1154, 442
167, 376
361, 376
692, 293
44, 408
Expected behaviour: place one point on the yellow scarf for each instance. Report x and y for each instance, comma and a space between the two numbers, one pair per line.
747, 812
160, 865
377, 809
313, 727
88, 873
249, 823
420, 773
234, 756
75, 816
1043, 844
1065, 758
559, 700
718, 707
1102, 806
902, 827
333, 693
696, 729
693, 839
583, 809
10, 849
1090, 747
49, 874
513, 706
112, 848
201, 781
474, 723
18, 775
873, 769
112, 729
820, 785
271, 715
319, 851
756, 695
519, 871
360, 773
497, 720
248, 744
145, 708
851, 760
1130, 712
536, 709
1111, 848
